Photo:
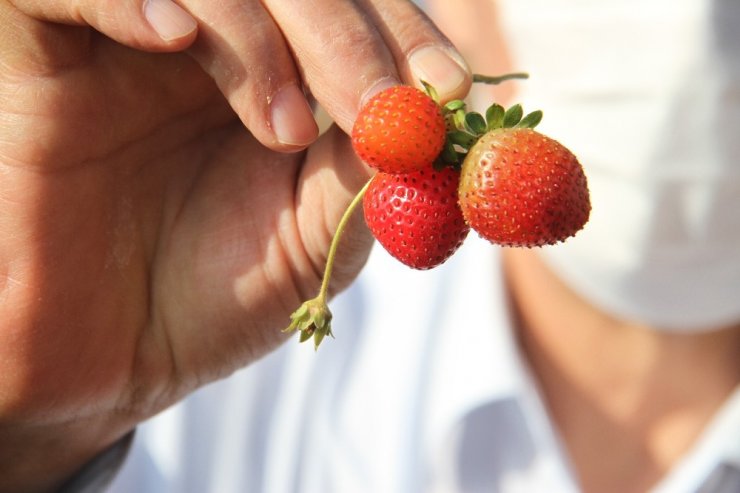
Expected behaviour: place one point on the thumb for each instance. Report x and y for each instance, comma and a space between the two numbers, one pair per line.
149, 25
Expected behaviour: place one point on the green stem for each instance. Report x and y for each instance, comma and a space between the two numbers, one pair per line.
488, 79
323, 291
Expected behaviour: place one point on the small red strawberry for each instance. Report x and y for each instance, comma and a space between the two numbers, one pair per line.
415, 216
521, 188
399, 130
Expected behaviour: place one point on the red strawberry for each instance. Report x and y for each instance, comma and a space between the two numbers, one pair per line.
415, 216
515, 186
401, 129
521, 188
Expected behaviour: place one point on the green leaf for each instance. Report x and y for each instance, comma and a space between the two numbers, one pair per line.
454, 105
531, 120
448, 154
495, 116
462, 139
459, 119
455, 163
475, 123
513, 116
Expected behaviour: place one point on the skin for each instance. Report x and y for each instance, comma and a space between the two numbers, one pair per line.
628, 399
154, 237
472, 27
154, 233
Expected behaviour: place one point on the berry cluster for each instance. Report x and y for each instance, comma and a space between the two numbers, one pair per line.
443, 171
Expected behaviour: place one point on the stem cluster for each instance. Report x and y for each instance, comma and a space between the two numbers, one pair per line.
313, 318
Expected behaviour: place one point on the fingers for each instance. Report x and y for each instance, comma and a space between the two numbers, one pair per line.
347, 51
263, 53
150, 25
238, 44
420, 49
244, 51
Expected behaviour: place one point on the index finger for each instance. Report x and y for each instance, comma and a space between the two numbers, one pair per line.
347, 51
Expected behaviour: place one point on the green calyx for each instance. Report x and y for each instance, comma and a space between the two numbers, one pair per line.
312, 319
464, 128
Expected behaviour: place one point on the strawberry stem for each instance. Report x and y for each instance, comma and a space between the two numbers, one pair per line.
323, 291
498, 79
313, 317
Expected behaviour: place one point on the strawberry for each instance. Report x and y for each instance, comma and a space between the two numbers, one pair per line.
415, 216
443, 171
521, 188
399, 130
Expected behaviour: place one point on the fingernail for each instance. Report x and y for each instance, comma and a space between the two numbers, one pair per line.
169, 19
441, 68
292, 118
380, 85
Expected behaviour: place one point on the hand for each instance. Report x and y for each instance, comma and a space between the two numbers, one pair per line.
149, 242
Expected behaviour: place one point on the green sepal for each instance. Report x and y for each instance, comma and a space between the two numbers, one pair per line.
430, 90
454, 105
304, 335
458, 119
475, 123
448, 154
531, 120
513, 116
495, 116
312, 318
463, 139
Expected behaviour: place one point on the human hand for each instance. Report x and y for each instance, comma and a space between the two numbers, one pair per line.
149, 242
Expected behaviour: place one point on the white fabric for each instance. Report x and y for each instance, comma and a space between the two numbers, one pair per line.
421, 391
646, 93
372, 409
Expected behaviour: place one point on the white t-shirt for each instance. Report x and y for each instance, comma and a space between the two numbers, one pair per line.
422, 390
422, 387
